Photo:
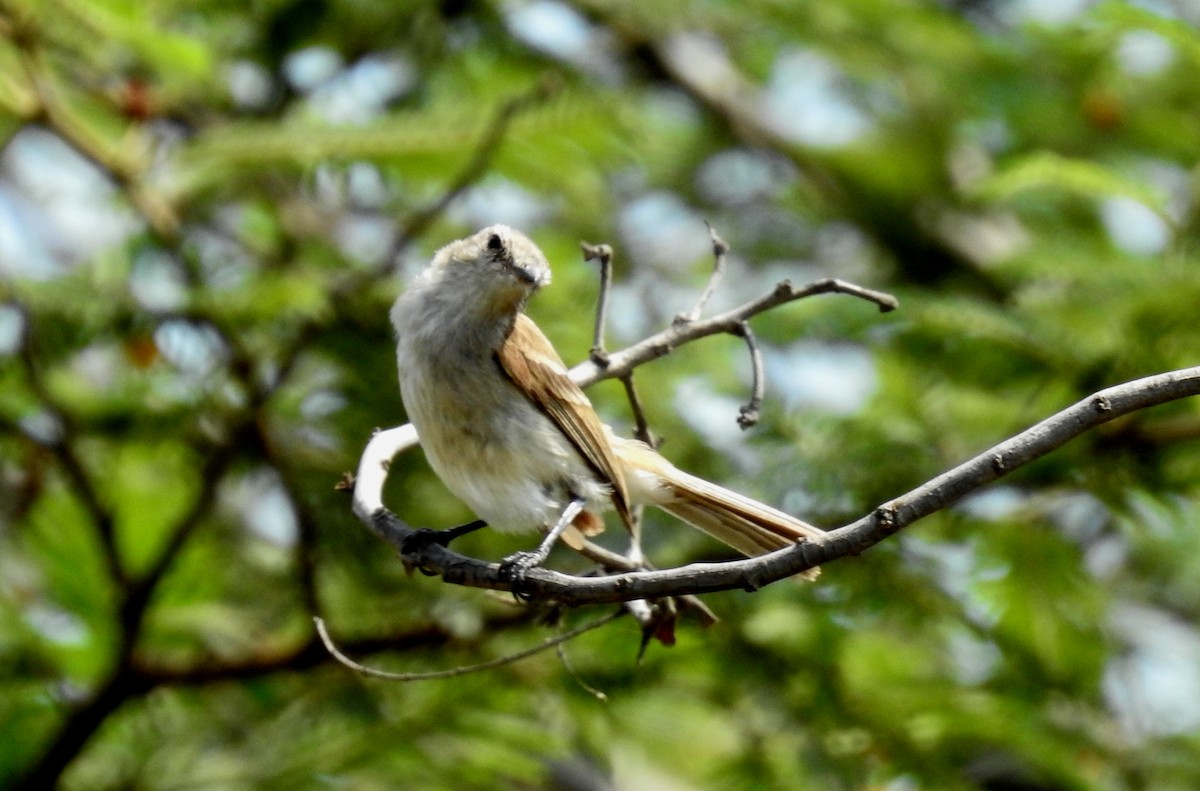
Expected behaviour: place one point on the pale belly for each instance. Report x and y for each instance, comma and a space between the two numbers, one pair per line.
500, 455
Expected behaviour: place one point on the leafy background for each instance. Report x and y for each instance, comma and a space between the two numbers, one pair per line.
206, 208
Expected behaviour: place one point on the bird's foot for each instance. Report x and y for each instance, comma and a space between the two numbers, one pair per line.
424, 536
514, 567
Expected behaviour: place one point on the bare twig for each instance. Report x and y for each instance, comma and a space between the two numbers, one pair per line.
852, 539
660, 344
603, 254
748, 414
264, 661
599, 695
720, 250
133, 678
641, 425
464, 669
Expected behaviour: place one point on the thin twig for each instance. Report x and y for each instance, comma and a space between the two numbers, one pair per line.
465, 669
748, 414
641, 425
720, 250
561, 650
603, 254
661, 343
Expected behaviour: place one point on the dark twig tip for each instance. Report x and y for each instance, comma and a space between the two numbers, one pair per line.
749, 415
720, 246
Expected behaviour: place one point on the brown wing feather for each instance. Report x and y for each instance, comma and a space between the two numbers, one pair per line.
528, 359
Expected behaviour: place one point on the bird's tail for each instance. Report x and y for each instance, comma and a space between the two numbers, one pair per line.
747, 525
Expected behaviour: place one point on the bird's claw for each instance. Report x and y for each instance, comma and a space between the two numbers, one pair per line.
514, 567
422, 537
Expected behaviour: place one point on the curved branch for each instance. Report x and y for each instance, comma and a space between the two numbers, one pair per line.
554, 642
852, 539
748, 414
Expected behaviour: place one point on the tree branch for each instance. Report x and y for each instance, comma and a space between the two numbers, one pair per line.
661, 344
852, 539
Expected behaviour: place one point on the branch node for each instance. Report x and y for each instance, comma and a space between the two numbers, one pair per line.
596, 252
1101, 404
999, 464
885, 517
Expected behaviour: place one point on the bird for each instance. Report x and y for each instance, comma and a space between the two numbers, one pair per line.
509, 432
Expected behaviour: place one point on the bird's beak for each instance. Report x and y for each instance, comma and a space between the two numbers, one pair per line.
526, 275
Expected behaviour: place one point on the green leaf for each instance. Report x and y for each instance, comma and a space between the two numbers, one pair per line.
1046, 171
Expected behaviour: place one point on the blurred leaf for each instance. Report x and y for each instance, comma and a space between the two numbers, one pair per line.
1047, 171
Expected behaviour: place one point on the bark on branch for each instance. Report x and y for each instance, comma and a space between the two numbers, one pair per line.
852, 539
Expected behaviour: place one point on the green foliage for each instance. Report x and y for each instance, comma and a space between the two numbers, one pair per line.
194, 346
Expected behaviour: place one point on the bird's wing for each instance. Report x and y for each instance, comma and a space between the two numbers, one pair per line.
529, 361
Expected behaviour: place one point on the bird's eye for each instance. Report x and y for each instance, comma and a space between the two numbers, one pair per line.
495, 243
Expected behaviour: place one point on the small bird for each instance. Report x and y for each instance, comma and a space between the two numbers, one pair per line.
508, 431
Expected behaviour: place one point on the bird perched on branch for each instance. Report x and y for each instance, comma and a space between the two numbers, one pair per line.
508, 431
